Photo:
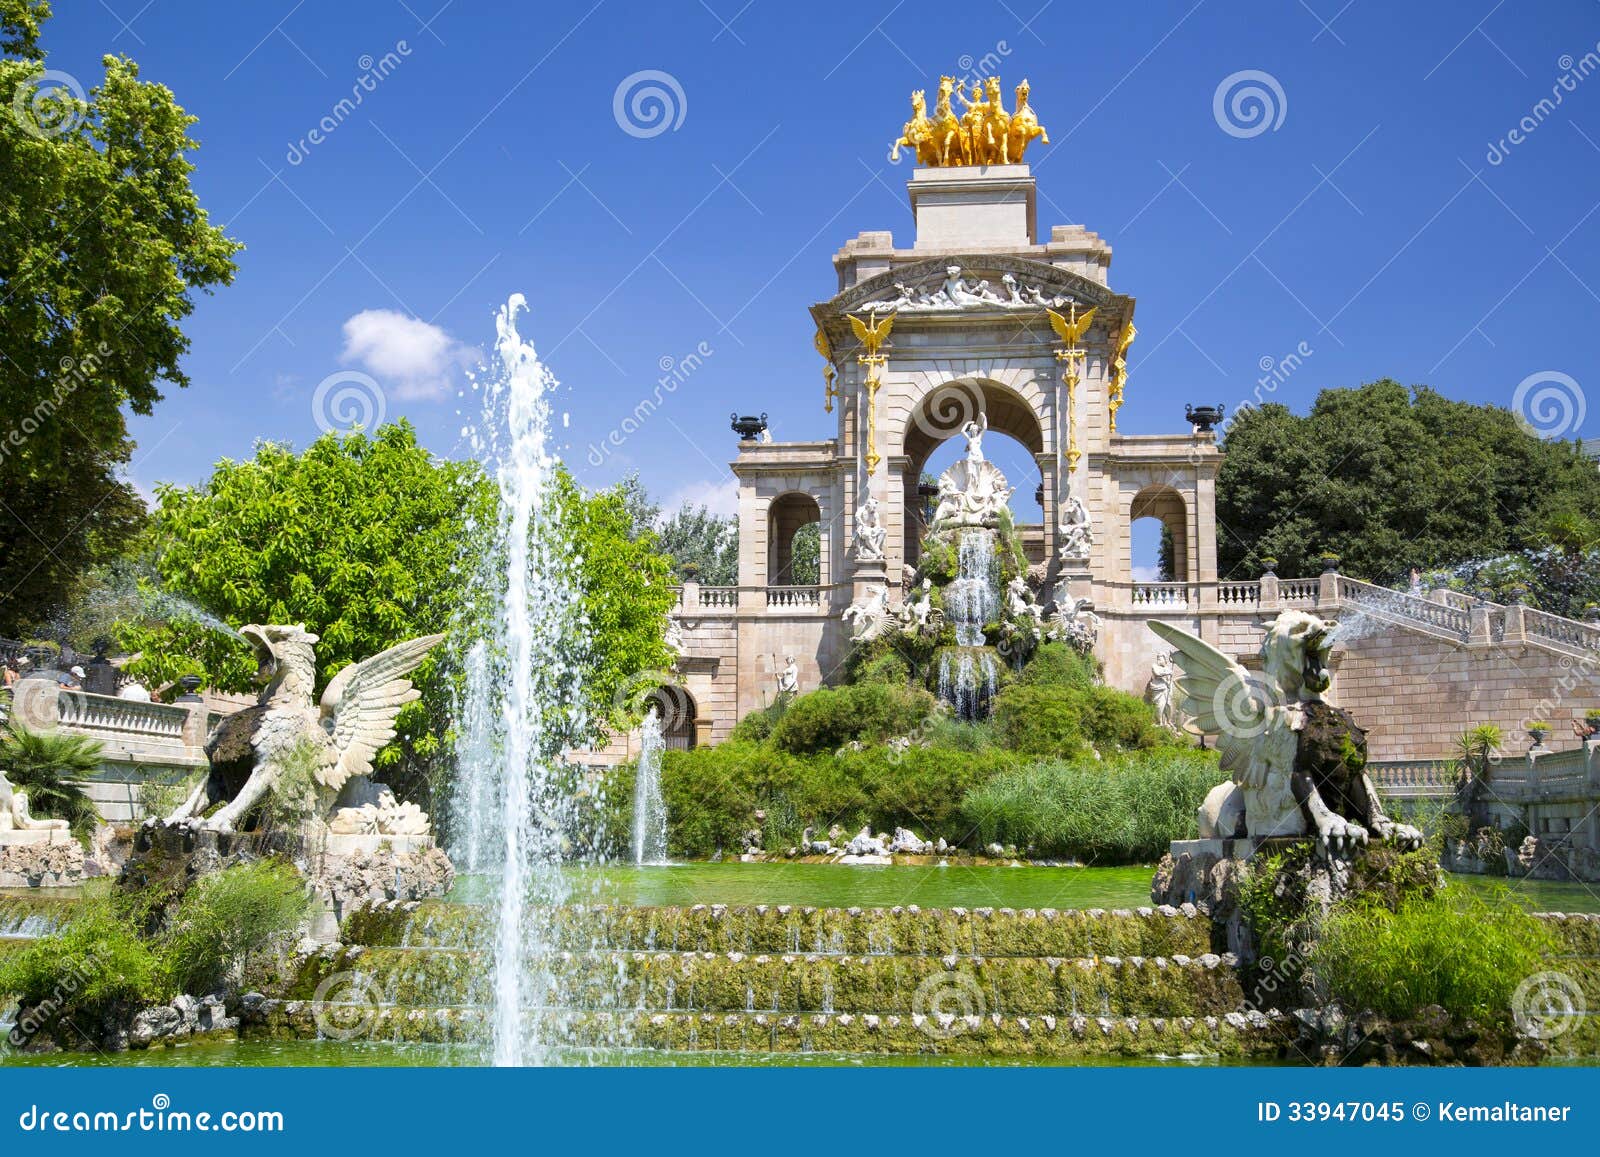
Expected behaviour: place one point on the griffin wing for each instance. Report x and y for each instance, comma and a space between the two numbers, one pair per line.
360, 705
862, 332
882, 328
1224, 700
820, 341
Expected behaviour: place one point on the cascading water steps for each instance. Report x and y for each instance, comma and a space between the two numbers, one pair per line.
967, 673
1042, 983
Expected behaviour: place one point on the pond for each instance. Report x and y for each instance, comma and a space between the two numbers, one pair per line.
853, 885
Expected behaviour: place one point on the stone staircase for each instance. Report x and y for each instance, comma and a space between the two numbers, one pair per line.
777, 979
1069, 985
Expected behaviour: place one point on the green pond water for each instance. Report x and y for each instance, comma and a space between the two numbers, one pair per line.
847, 886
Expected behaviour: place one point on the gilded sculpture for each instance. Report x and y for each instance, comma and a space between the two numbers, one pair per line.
983, 134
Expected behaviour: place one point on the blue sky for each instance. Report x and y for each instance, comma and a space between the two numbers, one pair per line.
1368, 227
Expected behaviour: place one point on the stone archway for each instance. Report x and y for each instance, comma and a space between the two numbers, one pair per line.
939, 415
786, 515
1166, 504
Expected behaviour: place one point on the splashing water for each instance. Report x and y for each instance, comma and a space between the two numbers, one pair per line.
649, 809
524, 703
967, 676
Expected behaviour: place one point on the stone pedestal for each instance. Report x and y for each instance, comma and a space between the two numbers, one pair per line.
973, 207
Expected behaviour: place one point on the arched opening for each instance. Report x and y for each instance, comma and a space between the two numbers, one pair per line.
1158, 536
794, 524
1014, 441
676, 709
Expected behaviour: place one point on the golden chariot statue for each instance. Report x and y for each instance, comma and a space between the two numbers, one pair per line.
983, 134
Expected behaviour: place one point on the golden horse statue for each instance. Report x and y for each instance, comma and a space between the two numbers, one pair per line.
1024, 127
984, 134
946, 127
997, 124
918, 133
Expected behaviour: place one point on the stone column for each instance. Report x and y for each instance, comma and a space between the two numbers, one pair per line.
1514, 625
1478, 624
1271, 598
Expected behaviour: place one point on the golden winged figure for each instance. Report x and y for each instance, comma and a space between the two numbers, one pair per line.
872, 336
820, 341
1071, 332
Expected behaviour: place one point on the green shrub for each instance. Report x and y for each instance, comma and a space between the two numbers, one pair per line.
889, 668
226, 917
45, 765
757, 726
1059, 665
1122, 810
921, 788
1040, 720
830, 718
90, 974
1454, 950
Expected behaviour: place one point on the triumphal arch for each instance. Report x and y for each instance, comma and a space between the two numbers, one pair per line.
979, 315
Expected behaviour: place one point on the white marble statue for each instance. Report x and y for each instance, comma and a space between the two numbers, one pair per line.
870, 617
973, 491
370, 809
1073, 621
1161, 692
1259, 722
673, 638
1020, 601
917, 613
870, 535
354, 719
954, 291
789, 677
1077, 534
14, 815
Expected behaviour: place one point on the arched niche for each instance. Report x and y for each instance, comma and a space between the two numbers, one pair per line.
1166, 505
786, 516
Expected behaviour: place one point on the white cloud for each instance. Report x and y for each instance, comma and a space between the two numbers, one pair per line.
409, 356
717, 497
1147, 574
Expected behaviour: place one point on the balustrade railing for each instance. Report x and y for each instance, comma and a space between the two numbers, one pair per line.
106, 713
1239, 594
719, 596
1554, 628
807, 596
1400, 605
1161, 595
1298, 590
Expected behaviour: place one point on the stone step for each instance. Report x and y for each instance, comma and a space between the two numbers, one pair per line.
785, 983
773, 929
1252, 1036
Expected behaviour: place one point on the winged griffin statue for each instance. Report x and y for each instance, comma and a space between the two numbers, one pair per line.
354, 720
1298, 762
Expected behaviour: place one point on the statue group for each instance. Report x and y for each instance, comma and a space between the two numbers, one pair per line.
984, 134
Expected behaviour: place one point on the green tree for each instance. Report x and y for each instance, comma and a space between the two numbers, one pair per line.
693, 536
48, 766
1389, 478
102, 246
369, 540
